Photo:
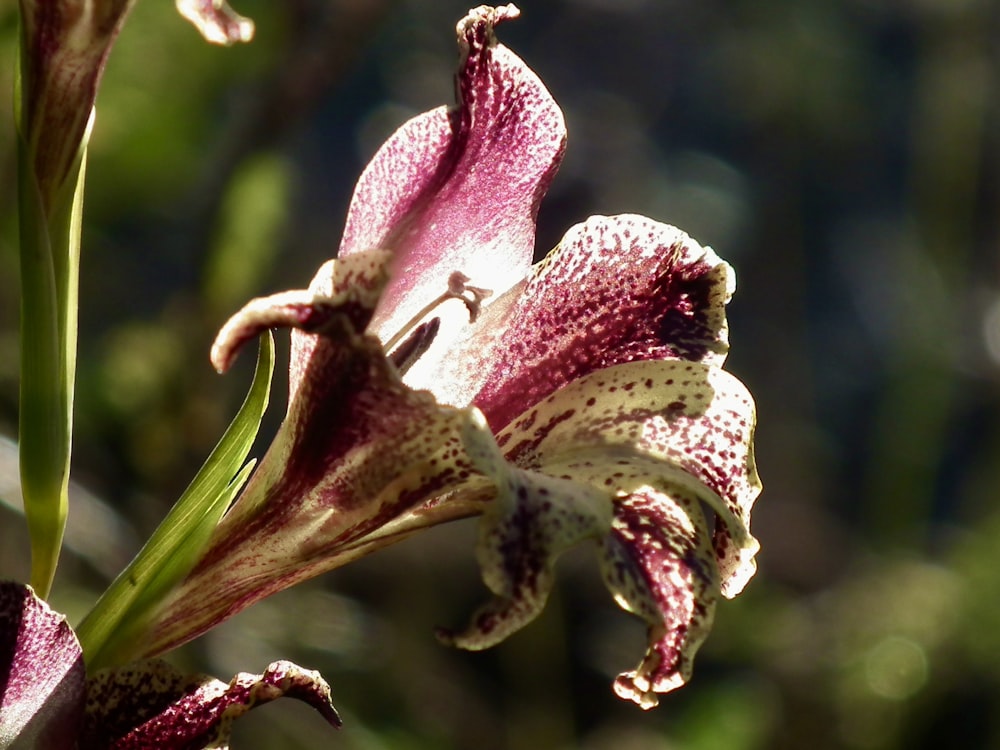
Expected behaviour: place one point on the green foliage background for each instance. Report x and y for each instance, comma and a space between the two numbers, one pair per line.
843, 154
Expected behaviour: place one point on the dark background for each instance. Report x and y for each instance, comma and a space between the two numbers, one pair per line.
842, 154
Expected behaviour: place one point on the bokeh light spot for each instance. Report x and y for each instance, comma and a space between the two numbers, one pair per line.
896, 668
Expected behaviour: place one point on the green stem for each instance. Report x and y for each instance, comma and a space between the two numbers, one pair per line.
49, 239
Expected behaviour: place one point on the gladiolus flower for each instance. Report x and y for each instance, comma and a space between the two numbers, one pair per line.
436, 375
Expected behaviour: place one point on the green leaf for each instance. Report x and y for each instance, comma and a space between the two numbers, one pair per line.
50, 252
115, 624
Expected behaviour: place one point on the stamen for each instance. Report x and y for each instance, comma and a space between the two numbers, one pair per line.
419, 341
458, 288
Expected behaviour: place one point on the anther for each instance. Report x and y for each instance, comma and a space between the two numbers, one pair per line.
458, 287
419, 341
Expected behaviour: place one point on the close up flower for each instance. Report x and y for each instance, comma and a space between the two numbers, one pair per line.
436, 375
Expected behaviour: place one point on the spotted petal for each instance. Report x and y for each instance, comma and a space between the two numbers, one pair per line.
688, 422
616, 289
531, 521
356, 449
658, 455
151, 704
457, 189
42, 675
659, 564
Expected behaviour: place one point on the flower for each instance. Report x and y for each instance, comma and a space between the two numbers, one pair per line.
435, 375
47, 700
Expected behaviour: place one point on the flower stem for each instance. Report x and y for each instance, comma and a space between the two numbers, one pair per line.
50, 250
50, 209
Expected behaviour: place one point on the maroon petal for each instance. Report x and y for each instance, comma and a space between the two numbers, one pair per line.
659, 563
42, 675
152, 705
617, 289
458, 189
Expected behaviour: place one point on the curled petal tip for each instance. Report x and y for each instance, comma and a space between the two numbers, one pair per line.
445, 636
637, 688
485, 15
152, 704
217, 22
295, 309
660, 566
221, 356
340, 300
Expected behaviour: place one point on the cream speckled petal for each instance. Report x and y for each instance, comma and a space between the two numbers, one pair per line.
533, 519
151, 705
695, 419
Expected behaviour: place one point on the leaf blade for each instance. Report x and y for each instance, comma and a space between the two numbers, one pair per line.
111, 626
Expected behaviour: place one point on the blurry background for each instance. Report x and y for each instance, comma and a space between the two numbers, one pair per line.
842, 154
